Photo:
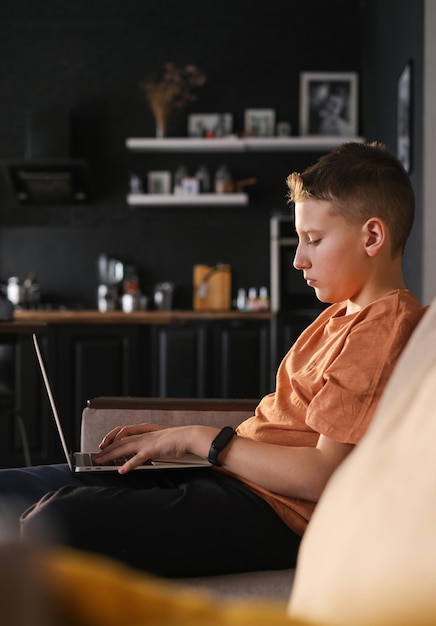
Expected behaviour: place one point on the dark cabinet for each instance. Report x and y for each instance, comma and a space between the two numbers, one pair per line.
198, 359
211, 360
92, 360
242, 360
181, 356
28, 434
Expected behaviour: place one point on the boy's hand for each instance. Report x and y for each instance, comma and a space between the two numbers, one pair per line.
141, 442
119, 432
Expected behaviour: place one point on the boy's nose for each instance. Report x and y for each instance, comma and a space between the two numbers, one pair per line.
300, 261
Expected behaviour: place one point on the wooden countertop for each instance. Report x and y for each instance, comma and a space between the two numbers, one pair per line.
17, 327
38, 317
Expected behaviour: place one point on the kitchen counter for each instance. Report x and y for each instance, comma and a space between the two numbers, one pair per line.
147, 354
16, 327
40, 317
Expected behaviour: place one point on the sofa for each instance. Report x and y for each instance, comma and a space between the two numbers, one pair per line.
103, 413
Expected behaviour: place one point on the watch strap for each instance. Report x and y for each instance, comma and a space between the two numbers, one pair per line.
219, 443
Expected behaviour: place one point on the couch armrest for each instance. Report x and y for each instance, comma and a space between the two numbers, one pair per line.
104, 413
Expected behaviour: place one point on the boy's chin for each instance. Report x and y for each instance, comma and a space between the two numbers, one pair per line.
323, 297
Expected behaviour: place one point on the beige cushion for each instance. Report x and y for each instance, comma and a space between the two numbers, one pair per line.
98, 422
369, 554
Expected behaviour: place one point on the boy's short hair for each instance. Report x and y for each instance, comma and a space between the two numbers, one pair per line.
361, 180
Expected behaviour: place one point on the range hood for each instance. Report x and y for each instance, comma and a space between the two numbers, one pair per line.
49, 174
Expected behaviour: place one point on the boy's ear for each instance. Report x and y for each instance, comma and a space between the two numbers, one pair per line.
375, 235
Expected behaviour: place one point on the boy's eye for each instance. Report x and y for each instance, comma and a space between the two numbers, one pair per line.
313, 242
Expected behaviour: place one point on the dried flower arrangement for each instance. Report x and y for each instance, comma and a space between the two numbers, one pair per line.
174, 89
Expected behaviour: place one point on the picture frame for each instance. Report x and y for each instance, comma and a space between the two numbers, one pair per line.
190, 186
329, 103
259, 122
159, 182
404, 117
210, 124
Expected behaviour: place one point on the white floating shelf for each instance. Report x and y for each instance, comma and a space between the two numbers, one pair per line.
234, 144
184, 144
295, 144
205, 199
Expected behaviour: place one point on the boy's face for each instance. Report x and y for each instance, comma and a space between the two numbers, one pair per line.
330, 252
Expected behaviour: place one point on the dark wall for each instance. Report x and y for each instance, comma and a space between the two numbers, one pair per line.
393, 36
88, 58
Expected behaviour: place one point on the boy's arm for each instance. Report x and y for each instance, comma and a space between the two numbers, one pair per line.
297, 472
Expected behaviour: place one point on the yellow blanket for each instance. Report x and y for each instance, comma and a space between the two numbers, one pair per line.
99, 592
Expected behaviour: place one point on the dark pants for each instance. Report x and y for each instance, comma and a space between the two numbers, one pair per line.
171, 523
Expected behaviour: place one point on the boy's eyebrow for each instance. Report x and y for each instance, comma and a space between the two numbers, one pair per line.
309, 230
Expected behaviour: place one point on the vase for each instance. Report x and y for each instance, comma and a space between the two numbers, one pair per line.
161, 120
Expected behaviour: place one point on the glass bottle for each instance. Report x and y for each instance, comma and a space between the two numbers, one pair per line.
203, 177
180, 173
252, 299
241, 300
131, 281
263, 299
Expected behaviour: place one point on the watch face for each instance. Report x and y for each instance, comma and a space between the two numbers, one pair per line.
219, 443
223, 438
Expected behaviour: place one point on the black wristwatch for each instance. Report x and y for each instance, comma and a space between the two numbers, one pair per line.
219, 443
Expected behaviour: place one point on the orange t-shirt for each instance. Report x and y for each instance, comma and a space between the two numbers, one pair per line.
330, 383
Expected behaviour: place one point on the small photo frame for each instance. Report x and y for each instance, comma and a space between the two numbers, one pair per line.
159, 182
259, 122
210, 124
329, 103
404, 117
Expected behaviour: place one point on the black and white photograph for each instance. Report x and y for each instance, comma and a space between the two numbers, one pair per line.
328, 103
210, 124
259, 122
404, 130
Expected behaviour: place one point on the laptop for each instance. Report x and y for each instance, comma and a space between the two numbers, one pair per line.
84, 461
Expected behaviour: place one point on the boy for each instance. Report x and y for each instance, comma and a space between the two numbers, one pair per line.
353, 214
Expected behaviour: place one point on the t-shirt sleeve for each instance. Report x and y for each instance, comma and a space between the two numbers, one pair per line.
355, 380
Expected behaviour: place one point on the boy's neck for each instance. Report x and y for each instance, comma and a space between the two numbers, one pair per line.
385, 277
356, 306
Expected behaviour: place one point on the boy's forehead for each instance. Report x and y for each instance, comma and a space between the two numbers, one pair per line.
311, 213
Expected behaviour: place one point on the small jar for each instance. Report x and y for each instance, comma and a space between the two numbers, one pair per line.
222, 180
131, 281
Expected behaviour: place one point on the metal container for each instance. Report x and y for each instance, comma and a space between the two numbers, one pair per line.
6, 308
107, 299
15, 291
110, 271
163, 296
129, 302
